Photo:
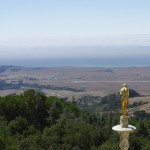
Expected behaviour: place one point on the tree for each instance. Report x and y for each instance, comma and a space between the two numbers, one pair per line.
18, 126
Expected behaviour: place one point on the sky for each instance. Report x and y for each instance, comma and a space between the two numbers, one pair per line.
74, 28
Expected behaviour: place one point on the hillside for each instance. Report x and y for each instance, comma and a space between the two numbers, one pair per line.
91, 80
77, 82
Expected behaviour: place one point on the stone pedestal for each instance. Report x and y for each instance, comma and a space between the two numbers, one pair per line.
124, 140
124, 130
124, 121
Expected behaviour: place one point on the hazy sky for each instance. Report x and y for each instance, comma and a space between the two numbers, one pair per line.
44, 28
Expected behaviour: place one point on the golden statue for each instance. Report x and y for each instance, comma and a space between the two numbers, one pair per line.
124, 93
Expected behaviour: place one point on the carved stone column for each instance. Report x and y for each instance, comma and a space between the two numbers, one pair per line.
124, 131
124, 140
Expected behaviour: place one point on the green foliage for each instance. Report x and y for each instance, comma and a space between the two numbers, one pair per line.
110, 102
141, 114
32, 121
82, 134
17, 126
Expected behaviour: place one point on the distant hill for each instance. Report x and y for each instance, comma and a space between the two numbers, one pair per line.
74, 81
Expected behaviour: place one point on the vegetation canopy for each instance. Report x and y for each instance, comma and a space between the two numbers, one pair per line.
33, 121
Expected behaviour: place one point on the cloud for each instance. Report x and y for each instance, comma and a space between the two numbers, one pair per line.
103, 40
76, 47
40, 52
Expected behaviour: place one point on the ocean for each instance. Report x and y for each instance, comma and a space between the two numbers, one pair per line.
79, 62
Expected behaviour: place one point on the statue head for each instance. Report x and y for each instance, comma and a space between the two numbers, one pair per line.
124, 85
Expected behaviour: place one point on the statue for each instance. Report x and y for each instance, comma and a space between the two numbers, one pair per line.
124, 93
124, 129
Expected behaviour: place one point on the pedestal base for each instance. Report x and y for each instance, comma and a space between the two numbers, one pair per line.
129, 128
124, 135
124, 121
